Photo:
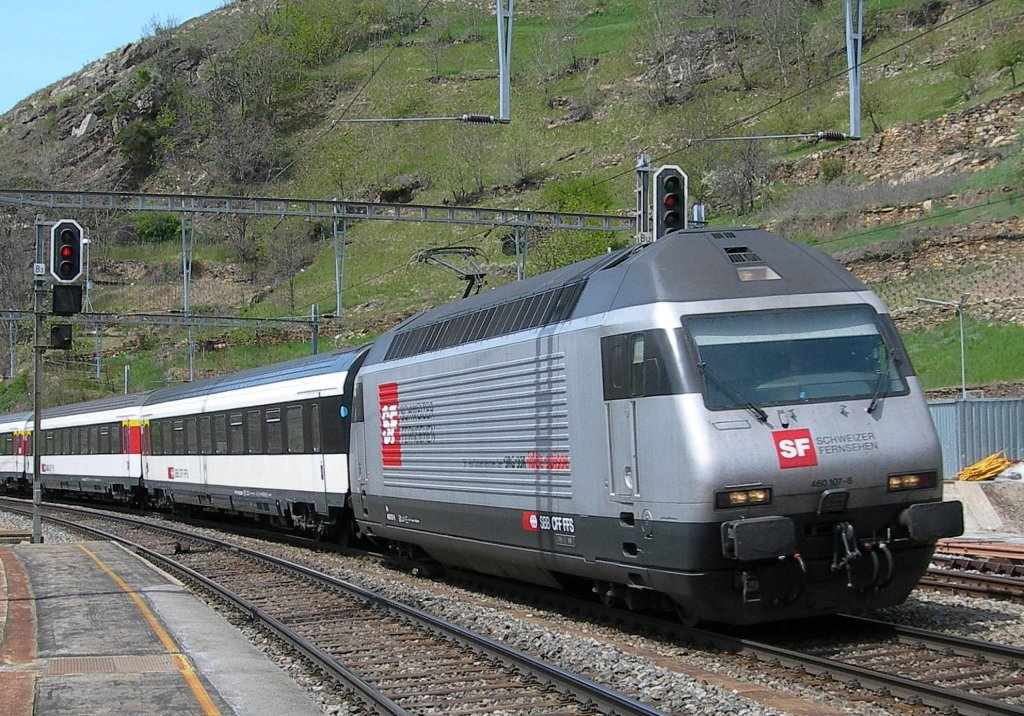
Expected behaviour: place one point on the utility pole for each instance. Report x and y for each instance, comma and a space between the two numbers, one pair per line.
339, 260
12, 344
504, 14
644, 170
187, 246
314, 320
854, 52
38, 348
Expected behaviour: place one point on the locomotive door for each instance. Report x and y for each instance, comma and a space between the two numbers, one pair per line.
624, 485
357, 449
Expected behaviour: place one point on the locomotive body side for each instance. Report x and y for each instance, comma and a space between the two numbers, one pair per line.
593, 444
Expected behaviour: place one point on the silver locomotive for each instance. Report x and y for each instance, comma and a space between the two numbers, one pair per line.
723, 418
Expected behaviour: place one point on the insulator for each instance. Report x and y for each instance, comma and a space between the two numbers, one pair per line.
478, 119
831, 135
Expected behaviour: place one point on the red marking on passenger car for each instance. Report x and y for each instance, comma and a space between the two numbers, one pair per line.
131, 437
795, 448
170, 473
531, 523
390, 430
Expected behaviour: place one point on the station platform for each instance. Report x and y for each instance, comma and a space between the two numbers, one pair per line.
90, 628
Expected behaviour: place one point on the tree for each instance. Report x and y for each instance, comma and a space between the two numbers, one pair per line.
560, 248
468, 151
287, 256
439, 36
966, 65
874, 102
249, 251
741, 170
651, 44
523, 155
1009, 52
546, 64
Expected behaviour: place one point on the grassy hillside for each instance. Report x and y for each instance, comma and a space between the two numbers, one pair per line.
252, 100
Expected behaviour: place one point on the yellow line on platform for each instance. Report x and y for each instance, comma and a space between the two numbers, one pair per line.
182, 662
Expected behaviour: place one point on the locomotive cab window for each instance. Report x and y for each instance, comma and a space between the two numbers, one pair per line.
796, 356
636, 365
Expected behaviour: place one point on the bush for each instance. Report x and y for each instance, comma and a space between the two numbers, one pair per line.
156, 226
832, 168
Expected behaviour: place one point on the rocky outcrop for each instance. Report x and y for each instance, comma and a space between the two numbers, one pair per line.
968, 140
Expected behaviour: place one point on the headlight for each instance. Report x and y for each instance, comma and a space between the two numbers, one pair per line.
912, 481
743, 497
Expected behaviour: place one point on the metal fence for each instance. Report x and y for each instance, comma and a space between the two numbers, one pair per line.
970, 430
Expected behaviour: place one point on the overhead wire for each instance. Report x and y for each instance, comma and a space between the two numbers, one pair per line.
721, 131
922, 219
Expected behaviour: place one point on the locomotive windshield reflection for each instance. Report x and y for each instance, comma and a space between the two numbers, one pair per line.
784, 357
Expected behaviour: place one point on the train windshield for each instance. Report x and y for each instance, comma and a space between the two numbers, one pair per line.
794, 356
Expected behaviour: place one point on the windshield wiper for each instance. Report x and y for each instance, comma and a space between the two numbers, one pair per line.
732, 393
884, 376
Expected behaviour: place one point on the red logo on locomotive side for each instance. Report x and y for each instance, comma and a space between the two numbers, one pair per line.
795, 448
390, 430
531, 522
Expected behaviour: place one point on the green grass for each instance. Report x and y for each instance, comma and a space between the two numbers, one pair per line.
994, 353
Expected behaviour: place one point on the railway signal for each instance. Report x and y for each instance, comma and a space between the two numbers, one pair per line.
669, 200
67, 300
60, 336
66, 251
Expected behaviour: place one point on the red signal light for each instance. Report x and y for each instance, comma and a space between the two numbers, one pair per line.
66, 237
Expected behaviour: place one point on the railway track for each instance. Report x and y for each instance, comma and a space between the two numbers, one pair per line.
993, 570
394, 659
918, 667
853, 657
856, 659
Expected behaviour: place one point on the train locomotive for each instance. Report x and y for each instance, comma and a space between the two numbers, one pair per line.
723, 421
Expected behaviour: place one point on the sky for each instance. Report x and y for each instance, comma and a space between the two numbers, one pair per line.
42, 41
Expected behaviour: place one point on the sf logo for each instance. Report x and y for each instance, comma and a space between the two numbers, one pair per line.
795, 448
388, 424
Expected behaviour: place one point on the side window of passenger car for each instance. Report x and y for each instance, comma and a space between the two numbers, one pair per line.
273, 428
296, 433
178, 438
205, 435
191, 436
236, 439
220, 434
314, 427
253, 433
